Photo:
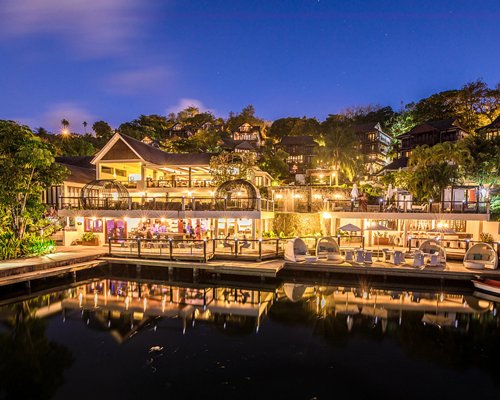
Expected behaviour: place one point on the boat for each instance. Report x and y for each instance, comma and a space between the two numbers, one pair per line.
490, 286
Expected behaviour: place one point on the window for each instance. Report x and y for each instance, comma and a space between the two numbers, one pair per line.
106, 170
93, 225
120, 172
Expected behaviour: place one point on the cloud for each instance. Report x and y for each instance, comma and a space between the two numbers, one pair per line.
75, 114
92, 27
185, 103
138, 81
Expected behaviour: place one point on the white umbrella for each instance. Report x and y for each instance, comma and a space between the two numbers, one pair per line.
390, 192
354, 192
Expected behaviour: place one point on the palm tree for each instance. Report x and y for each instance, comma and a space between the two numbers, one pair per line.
340, 151
65, 124
85, 127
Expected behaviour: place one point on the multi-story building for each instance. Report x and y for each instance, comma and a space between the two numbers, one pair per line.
134, 182
429, 134
373, 144
492, 130
301, 150
246, 139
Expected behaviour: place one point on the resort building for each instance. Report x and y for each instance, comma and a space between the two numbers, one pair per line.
246, 139
301, 150
373, 145
136, 187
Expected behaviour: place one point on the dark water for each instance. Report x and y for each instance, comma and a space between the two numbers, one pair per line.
118, 339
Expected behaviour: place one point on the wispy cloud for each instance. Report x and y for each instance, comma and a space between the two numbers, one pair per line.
51, 118
148, 79
91, 27
185, 103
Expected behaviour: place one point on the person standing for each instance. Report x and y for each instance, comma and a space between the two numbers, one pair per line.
197, 231
180, 226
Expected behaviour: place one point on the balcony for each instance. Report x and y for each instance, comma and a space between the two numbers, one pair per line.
174, 183
167, 204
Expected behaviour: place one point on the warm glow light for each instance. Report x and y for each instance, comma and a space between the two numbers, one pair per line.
326, 215
317, 196
278, 196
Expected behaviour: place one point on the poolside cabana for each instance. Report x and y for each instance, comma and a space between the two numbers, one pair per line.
328, 248
481, 256
295, 250
433, 251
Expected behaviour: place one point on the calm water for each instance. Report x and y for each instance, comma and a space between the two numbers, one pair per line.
111, 338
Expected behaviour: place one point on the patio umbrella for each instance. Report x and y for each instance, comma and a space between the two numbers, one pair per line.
350, 228
375, 226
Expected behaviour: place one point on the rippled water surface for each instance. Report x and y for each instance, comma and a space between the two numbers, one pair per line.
133, 339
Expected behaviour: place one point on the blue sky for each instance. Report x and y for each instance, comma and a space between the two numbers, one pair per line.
87, 60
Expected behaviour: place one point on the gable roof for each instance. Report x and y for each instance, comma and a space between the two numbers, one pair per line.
153, 155
245, 146
80, 161
298, 140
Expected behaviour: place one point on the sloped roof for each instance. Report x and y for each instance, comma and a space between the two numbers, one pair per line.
79, 174
395, 165
145, 151
493, 126
297, 140
366, 127
245, 146
433, 126
80, 161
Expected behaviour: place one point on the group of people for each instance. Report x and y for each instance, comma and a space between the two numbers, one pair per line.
193, 232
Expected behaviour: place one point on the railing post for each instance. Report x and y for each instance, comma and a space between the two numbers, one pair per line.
139, 247
409, 244
467, 242
171, 248
352, 205
338, 240
129, 203
213, 246
109, 244
204, 250
260, 249
183, 205
363, 242
277, 246
193, 204
236, 247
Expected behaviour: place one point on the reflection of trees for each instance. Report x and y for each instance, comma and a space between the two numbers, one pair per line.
31, 366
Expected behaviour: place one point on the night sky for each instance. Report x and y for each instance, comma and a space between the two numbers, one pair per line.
86, 60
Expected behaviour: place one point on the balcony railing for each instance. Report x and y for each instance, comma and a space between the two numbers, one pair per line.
408, 206
172, 183
166, 203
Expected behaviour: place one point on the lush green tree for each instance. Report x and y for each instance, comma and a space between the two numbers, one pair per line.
431, 169
484, 162
340, 150
294, 126
152, 126
274, 163
247, 115
74, 145
28, 168
229, 166
103, 132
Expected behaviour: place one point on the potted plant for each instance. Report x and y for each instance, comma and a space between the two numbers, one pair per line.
90, 239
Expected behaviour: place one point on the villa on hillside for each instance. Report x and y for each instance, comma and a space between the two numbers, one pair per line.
246, 139
301, 152
373, 145
429, 134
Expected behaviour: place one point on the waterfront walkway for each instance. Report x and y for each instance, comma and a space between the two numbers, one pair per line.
72, 258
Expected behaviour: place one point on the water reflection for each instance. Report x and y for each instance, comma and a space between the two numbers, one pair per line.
455, 328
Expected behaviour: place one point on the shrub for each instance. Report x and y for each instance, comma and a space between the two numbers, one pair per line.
88, 236
33, 245
9, 246
486, 237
